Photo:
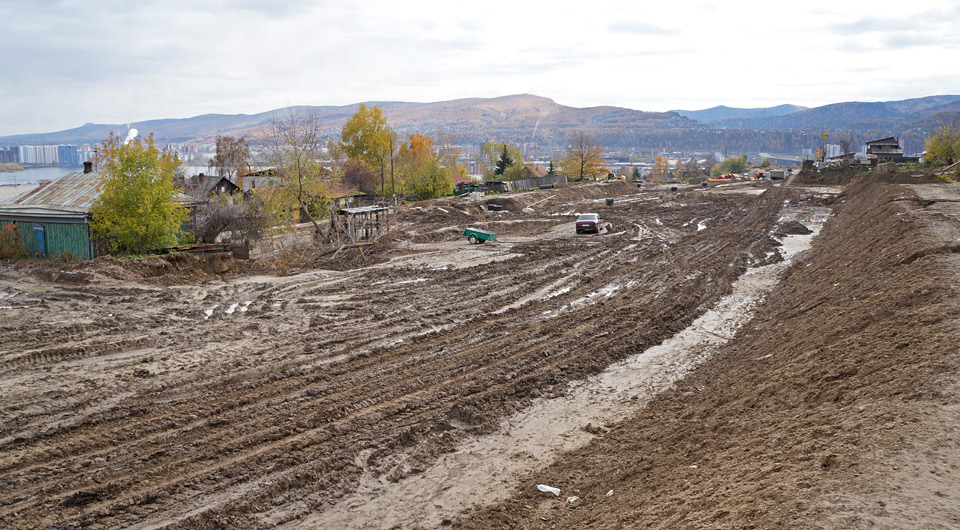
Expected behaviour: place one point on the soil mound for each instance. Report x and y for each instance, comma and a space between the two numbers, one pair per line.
792, 228
159, 269
843, 176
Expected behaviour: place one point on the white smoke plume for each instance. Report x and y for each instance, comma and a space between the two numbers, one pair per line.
131, 134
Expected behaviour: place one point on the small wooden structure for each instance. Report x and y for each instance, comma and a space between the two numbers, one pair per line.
365, 223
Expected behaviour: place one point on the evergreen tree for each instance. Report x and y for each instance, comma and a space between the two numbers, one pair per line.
504, 162
551, 171
636, 173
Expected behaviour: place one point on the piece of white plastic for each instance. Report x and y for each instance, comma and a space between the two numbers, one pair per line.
548, 489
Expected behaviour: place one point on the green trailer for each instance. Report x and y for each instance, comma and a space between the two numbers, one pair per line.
475, 235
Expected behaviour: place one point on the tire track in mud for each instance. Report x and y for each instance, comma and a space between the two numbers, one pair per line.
312, 421
111, 437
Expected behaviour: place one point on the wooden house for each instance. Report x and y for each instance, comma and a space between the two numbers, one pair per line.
54, 218
885, 149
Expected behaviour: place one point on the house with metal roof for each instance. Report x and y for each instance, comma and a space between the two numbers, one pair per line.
54, 217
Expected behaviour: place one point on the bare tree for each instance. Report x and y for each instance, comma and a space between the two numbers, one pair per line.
231, 158
358, 174
584, 157
246, 218
845, 144
292, 146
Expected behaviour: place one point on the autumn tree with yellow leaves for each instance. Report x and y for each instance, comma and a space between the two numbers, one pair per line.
367, 137
584, 158
661, 168
137, 209
421, 170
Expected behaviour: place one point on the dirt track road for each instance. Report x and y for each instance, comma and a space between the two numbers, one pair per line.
256, 401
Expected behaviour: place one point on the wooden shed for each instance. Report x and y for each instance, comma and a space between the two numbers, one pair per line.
362, 224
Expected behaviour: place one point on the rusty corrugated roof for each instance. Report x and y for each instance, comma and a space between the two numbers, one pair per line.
73, 192
70, 197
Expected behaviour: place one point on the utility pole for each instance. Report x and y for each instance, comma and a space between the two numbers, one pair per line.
393, 189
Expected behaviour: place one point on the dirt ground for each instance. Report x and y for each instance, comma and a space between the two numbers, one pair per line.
422, 383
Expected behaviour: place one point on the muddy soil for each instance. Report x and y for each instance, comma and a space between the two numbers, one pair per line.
837, 406
256, 400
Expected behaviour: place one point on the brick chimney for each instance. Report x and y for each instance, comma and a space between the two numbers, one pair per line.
88, 167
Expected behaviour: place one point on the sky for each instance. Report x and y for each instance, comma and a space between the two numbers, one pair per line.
66, 63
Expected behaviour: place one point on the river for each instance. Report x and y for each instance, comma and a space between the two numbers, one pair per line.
35, 175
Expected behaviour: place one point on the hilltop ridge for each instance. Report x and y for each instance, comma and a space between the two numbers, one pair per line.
522, 118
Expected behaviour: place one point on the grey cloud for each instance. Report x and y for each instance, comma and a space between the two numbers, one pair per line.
897, 41
931, 21
637, 27
275, 10
913, 40
469, 25
874, 24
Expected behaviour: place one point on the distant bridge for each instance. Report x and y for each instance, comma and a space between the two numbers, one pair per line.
782, 160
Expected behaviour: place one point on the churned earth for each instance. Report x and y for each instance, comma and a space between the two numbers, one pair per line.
693, 361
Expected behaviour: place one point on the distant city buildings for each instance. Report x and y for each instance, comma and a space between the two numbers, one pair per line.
42, 155
9, 155
70, 155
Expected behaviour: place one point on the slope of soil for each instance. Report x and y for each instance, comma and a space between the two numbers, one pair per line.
837, 407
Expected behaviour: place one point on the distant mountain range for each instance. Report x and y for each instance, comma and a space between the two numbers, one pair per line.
511, 118
908, 114
722, 112
527, 118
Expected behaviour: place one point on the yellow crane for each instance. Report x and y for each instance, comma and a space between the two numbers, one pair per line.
822, 152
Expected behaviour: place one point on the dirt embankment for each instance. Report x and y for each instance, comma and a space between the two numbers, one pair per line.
845, 176
837, 407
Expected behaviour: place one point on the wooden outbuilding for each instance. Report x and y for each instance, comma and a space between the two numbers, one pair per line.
366, 223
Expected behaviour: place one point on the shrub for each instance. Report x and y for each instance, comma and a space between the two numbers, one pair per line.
10, 246
245, 218
943, 147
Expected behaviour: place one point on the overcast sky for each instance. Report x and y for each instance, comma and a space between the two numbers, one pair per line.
66, 63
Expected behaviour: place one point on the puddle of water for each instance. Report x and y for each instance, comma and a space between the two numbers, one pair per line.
417, 280
484, 471
605, 292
